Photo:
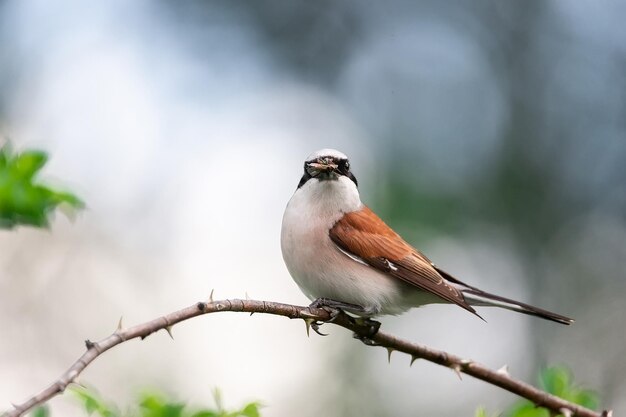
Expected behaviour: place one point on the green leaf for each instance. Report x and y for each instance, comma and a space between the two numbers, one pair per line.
151, 402
205, 413
155, 404
556, 380
28, 163
587, 399
559, 381
42, 410
23, 201
90, 402
527, 409
4, 152
251, 410
93, 403
172, 410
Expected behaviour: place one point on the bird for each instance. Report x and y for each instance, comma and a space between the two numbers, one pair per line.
345, 258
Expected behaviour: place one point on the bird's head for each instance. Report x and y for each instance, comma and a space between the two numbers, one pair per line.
326, 165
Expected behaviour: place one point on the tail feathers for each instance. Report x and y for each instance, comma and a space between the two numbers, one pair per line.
477, 297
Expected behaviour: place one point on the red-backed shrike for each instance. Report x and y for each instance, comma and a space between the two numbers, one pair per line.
342, 255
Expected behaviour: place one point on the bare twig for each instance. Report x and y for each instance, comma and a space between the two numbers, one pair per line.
361, 330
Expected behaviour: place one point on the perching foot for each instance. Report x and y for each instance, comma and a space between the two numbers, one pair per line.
338, 305
336, 308
372, 327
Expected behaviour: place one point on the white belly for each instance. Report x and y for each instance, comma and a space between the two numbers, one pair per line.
316, 264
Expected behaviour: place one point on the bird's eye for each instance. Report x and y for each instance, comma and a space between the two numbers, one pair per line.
347, 165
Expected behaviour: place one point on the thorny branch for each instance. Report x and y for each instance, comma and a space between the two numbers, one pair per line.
310, 315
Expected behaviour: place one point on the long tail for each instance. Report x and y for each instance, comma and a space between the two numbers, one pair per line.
474, 296
481, 298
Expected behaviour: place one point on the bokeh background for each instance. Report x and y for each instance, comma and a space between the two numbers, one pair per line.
491, 134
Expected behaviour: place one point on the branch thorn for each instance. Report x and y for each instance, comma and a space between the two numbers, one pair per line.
389, 352
80, 384
457, 370
566, 412
211, 296
308, 323
504, 370
168, 329
119, 324
413, 359
306, 314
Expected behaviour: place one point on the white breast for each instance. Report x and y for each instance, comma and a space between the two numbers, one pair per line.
317, 265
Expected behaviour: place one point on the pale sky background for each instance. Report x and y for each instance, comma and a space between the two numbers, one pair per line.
185, 131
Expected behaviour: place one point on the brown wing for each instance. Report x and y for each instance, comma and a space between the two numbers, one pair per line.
362, 234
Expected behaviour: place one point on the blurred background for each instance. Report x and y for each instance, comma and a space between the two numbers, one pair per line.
492, 135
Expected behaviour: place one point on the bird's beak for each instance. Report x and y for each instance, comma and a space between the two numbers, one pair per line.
323, 167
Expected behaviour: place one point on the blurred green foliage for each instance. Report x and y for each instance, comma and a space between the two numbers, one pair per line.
41, 411
155, 404
482, 412
557, 380
22, 200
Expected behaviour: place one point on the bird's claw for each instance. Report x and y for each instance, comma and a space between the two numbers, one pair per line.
331, 307
316, 328
333, 312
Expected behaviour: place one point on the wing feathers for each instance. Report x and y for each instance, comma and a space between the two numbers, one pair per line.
362, 234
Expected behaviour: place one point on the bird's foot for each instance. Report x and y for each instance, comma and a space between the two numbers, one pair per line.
335, 309
337, 305
370, 328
